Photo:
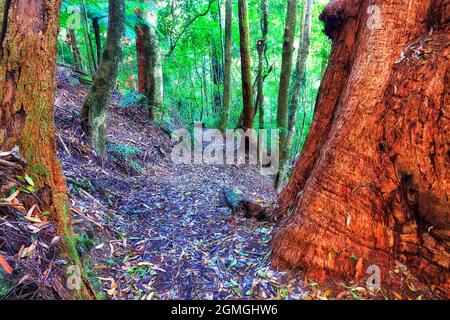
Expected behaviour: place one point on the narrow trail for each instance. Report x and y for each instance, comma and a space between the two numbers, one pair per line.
163, 231
167, 232
183, 227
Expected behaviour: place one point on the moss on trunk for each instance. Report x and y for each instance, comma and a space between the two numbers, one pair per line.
27, 88
95, 107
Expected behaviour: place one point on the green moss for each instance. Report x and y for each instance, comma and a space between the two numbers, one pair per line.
38, 171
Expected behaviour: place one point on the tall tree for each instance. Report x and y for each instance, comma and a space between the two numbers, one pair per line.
88, 40
246, 65
261, 47
286, 68
154, 86
98, 40
371, 185
95, 107
77, 61
27, 92
140, 51
296, 87
227, 67
216, 57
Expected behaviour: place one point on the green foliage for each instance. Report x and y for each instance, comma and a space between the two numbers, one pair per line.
188, 80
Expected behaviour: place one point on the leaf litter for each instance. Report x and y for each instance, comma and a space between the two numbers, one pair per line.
147, 229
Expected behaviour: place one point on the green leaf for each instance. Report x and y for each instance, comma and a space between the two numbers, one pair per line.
232, 264
262, 274
355, 295
29, 180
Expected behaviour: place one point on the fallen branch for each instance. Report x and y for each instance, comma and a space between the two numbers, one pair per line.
6, 163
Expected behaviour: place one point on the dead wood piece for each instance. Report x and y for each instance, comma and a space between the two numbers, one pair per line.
241, 204
5, 163
12, 158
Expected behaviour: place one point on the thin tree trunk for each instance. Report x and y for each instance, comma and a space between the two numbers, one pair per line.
140, 56
95, 107
286, 67
262, 47
298, 83
246, 63
98, 41
139, 29
371, 185
88, 39
75, 50
154, 87
227, 67
27, 92
216, 61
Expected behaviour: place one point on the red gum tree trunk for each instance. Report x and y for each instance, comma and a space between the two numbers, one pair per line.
372, 180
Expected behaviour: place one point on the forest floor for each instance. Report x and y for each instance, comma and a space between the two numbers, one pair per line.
149, 229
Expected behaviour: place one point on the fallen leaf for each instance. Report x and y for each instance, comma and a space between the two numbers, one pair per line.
5, 265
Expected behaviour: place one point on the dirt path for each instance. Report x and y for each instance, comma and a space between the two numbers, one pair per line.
166, 230
149, 229
184, 228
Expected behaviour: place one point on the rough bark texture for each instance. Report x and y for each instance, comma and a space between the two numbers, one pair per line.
286, 67
294, 98
95, 107
27, 88
372, 180
227, 66
246, 65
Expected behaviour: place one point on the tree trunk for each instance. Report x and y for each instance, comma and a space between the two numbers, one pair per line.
140, 52
75, 50
88, 40
371, 184
246, 66
154, 89
27, 92
261, 46
216, 59
95, 107
298, 82
98, 41
227, 67
286, 67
